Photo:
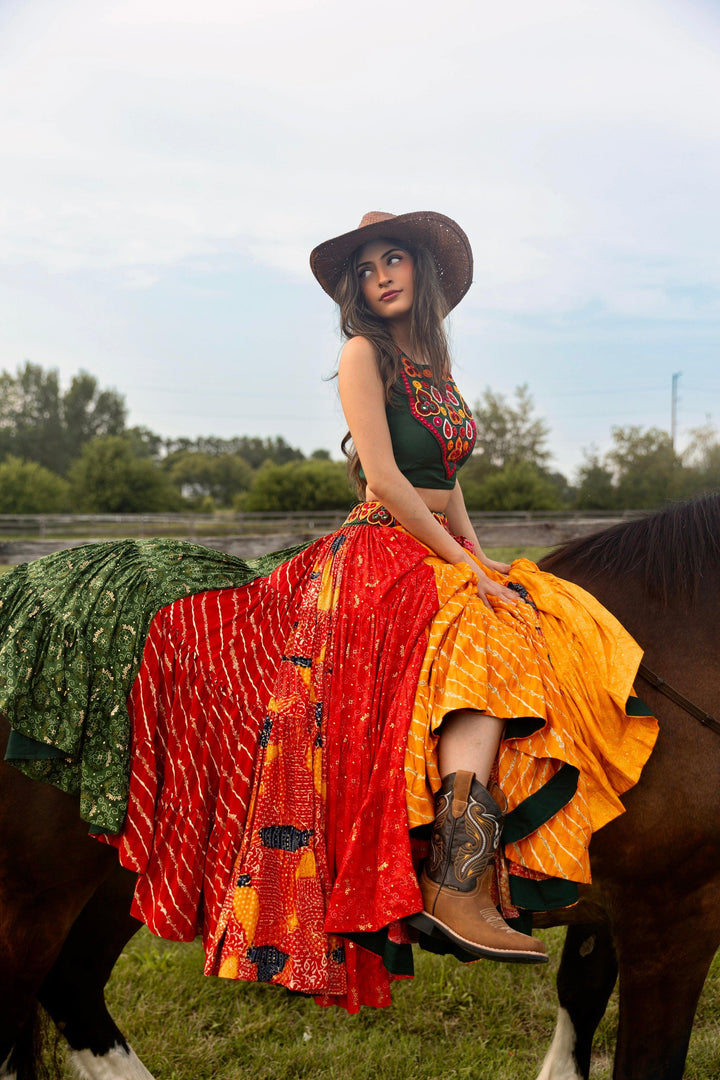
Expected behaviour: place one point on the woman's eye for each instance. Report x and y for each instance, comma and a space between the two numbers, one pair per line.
362, 274
394, 259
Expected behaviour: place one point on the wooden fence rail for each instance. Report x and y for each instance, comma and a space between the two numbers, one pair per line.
51, 526
26, 537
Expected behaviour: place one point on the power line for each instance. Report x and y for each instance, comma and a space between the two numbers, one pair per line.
195, 391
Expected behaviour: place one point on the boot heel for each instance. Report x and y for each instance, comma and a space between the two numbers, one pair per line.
424, 924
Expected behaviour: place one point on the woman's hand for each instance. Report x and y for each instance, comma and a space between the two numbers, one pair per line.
487, 588
498, 567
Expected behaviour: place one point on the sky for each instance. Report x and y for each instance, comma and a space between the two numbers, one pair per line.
166, 166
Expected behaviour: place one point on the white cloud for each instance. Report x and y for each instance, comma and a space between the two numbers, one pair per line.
144, 133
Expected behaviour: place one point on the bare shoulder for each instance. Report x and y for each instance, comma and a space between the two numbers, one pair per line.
358, 371
358, 352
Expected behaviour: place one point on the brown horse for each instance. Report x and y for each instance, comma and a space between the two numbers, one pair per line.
653, 912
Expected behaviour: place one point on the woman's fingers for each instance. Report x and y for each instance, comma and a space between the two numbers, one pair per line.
499, 567
487, 588
491, 589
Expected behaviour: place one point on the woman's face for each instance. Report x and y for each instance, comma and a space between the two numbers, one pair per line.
386, 275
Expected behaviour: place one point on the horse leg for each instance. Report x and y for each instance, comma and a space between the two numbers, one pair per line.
666, 942
6, 1070
73, 991
585, 981
49, 869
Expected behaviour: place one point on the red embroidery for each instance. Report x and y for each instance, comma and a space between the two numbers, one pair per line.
374, 513
444, 414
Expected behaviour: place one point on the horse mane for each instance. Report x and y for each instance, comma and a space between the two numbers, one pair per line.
672, 551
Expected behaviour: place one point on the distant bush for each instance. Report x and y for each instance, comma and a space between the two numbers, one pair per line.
108, 478
300, 485
29, 488
200, 476
517, 486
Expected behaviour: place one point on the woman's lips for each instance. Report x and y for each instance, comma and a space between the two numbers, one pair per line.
390, 295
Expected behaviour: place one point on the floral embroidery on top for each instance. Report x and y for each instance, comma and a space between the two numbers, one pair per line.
444, 414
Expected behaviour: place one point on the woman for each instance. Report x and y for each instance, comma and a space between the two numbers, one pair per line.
305, 728
392, 306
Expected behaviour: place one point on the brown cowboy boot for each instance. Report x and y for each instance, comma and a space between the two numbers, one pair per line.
455, 881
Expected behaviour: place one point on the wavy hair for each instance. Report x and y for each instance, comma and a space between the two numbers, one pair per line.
428, 341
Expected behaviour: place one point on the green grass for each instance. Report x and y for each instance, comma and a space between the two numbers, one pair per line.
78, 532
507, 554
480, 1022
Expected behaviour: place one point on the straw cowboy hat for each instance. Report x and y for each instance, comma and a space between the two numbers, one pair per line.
442, 236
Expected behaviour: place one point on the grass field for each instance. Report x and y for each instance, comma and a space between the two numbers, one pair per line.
453, 1022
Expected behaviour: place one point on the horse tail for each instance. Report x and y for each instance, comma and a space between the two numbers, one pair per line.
36, 1055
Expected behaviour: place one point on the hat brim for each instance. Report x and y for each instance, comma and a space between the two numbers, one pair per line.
442, 236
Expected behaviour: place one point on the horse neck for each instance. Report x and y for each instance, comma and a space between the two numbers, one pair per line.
683, 631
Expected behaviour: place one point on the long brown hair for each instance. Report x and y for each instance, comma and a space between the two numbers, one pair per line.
428, 341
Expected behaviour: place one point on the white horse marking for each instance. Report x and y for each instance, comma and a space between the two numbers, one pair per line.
588, 945
559, 1063
117, 1064
5, 1073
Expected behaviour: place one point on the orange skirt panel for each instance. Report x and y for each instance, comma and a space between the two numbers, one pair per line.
562, 659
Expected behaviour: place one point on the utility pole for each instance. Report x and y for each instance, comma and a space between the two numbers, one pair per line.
673, 420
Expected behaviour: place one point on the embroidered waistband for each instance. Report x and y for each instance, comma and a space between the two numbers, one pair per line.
374, 513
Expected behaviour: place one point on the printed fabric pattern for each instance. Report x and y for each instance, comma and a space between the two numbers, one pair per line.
72, 632
267, 773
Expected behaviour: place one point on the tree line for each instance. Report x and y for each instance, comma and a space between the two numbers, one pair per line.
71, 450
641, 471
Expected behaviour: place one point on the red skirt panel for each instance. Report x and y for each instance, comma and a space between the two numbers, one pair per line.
197, 709
267, 796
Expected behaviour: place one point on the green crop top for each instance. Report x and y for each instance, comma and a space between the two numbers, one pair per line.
432, 431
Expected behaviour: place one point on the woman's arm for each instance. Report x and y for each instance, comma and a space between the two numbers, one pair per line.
363, 400
460, 525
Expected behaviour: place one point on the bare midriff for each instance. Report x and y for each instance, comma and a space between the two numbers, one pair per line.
436, 499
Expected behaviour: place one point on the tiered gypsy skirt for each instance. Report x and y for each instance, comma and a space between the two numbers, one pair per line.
283, 752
